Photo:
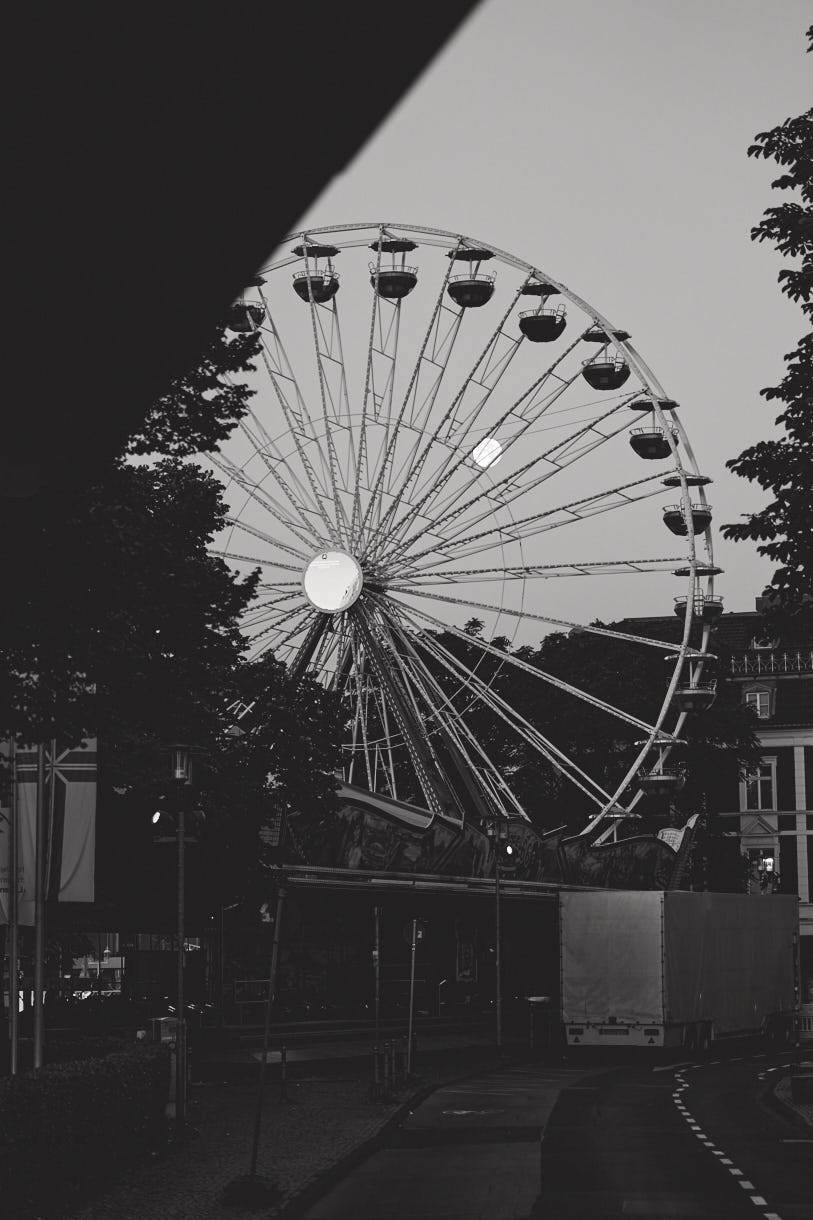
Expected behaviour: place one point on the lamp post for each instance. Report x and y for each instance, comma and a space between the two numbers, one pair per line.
181, 774
497, 831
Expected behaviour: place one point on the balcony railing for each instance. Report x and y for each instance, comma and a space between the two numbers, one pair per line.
798, 662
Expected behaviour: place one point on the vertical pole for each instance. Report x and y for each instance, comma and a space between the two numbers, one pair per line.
411, 996
180, 1042
497, 956
266, 1030
39, 910
221, 973
283, 1073
13, 918
377, 968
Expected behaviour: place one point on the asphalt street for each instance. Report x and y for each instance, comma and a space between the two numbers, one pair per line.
638, 1139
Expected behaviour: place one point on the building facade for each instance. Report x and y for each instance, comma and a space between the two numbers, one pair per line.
772, 809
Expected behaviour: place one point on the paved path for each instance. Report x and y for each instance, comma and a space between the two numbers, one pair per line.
470, 1150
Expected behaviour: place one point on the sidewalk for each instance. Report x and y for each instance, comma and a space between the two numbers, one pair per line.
330, 1050
323, 1121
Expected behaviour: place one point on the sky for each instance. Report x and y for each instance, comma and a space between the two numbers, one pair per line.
607, 143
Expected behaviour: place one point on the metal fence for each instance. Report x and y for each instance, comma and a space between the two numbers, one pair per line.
798, 662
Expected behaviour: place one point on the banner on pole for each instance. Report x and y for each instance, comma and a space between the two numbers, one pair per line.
70, 804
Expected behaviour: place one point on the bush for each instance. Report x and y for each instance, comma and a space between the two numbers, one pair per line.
64, 1126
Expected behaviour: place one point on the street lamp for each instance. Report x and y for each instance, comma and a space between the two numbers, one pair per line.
496, 829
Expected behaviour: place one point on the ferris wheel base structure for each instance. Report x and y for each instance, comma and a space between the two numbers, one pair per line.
372, 838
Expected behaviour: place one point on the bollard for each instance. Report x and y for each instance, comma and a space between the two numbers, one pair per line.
283, 1073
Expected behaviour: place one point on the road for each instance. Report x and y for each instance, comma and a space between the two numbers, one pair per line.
640, 1139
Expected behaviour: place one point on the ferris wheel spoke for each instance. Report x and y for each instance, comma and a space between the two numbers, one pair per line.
525, 411
264, 500
515, 485
266, 606
429, 344
237, 557
363, 465
273, 636
304, 499
590, 629
542, 467
362, 704
428, 574
522, 727
400, 653
485, 375
429, 772
270, 541
611, 710
451, 545
443, 711
329, 411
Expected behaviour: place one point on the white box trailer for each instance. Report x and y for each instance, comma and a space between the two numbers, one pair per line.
674, 968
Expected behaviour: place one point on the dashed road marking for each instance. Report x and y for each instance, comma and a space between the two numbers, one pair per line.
694, 1127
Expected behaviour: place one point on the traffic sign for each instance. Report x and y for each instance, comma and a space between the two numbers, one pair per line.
420, 931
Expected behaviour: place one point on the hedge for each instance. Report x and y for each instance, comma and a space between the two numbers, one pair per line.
66, 1126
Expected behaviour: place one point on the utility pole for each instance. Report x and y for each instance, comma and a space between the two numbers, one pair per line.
180, 1041
497, 960
39, 910
13, 917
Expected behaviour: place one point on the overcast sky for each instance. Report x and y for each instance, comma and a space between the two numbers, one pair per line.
606, 142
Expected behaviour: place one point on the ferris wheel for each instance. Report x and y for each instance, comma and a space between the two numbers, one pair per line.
442, 432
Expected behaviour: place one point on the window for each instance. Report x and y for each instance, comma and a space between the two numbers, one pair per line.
758, 787
760, 701
764, 877
764, 642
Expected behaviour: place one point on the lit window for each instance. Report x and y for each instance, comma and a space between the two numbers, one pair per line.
760, 701
764, 877
764, 642
758, 787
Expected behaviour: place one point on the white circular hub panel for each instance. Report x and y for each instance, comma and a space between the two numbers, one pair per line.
332, 581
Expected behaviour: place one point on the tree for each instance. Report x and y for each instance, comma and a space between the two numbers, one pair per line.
784, 466
128, 628
121, 593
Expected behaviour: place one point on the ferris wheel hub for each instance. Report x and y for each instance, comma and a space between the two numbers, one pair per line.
332, 581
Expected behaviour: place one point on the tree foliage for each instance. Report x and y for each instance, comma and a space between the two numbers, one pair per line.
783, 466
127, 628
201, 408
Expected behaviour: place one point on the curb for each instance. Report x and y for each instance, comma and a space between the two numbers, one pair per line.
328, 1177
788, 1112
